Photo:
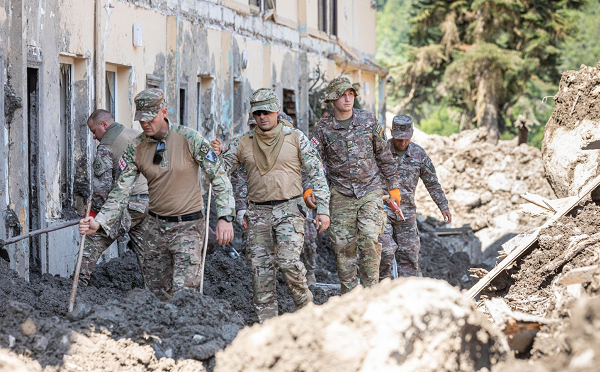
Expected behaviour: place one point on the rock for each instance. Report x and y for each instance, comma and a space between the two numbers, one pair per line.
486, 197
28, 328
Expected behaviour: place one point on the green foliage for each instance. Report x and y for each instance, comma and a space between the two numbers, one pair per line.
584, 48
465, 56
440, 122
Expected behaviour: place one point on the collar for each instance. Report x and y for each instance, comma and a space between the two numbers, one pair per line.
112, 132
335, 124
395, 151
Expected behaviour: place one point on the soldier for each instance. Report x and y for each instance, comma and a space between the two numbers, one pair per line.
114, 138
413, 163
273, 156
355, 154
169, 157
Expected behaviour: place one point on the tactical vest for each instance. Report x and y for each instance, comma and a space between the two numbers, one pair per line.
284, 180
117, 138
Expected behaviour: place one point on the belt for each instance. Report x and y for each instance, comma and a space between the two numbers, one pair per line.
276, 202
183, 218
140, 196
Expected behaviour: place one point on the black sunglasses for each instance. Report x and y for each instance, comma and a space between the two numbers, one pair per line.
261, 112
158, 154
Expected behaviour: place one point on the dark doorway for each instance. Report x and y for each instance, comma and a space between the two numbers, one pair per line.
34, 158
182, 110
289, 105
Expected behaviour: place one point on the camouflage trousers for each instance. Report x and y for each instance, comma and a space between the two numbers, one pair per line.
134, 223
174, 254
275, 239
309, 253
356, 225
400, 239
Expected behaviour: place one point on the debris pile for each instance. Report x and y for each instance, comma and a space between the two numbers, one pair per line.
571, 138
405, 325
483, 183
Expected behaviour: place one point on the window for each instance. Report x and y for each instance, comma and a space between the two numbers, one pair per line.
261, 5
182, 107
111, 92
333, 29
322, 9
289, 104
205, 91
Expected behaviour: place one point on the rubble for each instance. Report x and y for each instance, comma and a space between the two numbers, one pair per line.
483, 183
401, 325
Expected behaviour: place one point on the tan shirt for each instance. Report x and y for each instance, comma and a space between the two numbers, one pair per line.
283, 181
174, 184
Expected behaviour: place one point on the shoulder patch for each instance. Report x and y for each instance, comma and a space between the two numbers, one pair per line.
378, 130
212, 156
100, 166
205, 147
315, 141
122, 163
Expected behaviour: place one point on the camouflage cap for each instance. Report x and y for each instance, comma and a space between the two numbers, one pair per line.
148, 103
337, 87
402, 127
264, 99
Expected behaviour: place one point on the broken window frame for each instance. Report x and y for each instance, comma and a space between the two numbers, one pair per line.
67, 134
111, 92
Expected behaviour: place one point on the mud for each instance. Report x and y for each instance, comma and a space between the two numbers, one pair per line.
382, 328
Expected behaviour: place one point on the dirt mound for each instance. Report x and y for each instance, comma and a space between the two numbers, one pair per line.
571, 139
380, 328
483, 183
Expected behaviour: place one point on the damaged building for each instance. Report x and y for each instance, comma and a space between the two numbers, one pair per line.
62, 59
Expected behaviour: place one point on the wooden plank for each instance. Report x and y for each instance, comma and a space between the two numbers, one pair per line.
517, 252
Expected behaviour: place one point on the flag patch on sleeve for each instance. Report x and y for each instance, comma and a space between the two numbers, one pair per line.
122, 163
315, 141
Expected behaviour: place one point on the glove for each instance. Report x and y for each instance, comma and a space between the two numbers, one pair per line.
309, 199
239, 218
395, 194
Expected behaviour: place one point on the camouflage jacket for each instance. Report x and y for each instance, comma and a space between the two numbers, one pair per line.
103, 179
412, 165
357, 159
201, 153
311, 164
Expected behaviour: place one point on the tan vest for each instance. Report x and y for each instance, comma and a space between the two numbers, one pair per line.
284, 180
117, 138
174, 185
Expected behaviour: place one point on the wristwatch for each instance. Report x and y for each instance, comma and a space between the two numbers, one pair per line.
226, 218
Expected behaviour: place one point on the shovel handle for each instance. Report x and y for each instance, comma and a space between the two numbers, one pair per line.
78, 266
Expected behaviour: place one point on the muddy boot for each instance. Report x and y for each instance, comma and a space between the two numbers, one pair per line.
310, 278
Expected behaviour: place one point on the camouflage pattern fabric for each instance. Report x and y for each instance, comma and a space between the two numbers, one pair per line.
337, 87
200, 147
174, 254
275, 238
309, 252
102, 181
356, 158
402, 239
264, 99
402, 127
356, 224
133, 222
148, 103
412, 165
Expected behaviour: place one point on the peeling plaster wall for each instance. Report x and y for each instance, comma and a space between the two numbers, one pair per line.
217, 50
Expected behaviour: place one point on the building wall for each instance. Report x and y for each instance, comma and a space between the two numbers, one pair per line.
61, 59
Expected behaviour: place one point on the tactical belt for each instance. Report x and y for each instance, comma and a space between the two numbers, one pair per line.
276, 202
183, 218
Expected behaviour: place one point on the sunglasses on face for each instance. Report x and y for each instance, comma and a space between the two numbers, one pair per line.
158, 154
261, 112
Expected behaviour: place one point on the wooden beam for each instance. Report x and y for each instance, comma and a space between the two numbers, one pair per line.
525, 244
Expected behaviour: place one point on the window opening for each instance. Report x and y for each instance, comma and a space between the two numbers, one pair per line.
111, 82
289, 104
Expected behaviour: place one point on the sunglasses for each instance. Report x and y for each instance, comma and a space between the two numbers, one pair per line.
261, 112
158, 154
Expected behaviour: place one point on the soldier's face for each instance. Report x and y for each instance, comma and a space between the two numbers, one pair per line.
266, 122
345, 102
157, 127
401, 144
98, 129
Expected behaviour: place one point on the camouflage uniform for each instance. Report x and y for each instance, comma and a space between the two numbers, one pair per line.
174, 240
276, 227
404, 235
132, 220
357, 161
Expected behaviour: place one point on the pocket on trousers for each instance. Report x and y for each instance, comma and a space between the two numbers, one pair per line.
195, 256
299, 227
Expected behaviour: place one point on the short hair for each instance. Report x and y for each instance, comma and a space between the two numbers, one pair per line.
100, 115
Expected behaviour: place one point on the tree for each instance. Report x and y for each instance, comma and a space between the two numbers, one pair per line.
482, 55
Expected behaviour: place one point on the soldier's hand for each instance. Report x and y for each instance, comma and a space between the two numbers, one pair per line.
216, 146
224, 232
88, 226
322, 222
447, 216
